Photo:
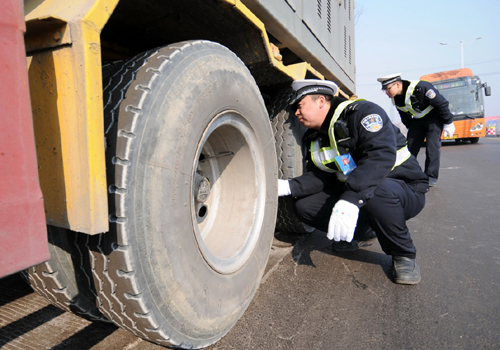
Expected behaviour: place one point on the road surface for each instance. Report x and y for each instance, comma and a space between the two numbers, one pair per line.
315, 298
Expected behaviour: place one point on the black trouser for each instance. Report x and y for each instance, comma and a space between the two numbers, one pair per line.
429, 128
392, 204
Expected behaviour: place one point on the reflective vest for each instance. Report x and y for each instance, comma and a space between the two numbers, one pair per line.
324, 157
408, 107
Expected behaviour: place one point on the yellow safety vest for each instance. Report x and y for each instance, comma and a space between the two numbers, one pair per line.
408, 107
324, 157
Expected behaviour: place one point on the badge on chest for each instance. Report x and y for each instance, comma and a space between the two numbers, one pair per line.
345, 163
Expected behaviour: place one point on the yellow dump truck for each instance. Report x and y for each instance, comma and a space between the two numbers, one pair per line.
156, 131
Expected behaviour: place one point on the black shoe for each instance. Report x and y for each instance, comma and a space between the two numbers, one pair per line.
364, 241
432, 182
405, 270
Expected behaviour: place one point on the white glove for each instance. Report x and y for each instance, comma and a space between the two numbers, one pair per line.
449, 130
283, 188
343, 221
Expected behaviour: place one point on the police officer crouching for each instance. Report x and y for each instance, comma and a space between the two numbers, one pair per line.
359, 174
425, 113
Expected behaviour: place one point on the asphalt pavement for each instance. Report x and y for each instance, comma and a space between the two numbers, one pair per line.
315, 298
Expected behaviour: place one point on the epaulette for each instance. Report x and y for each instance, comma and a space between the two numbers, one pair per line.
352, 107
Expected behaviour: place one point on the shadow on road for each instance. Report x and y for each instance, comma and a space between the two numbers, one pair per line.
317, 241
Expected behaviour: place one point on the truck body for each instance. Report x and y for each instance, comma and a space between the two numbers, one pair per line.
23, 236
143, 121
464, 92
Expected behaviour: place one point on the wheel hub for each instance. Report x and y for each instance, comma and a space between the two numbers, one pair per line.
227, 201
202, 189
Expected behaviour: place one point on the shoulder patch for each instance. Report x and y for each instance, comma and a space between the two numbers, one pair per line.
430, 94
372, 123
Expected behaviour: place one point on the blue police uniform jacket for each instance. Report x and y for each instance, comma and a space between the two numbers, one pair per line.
425, 96
373, 149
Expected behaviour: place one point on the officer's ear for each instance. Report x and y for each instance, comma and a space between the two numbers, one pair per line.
323, 101
399, 86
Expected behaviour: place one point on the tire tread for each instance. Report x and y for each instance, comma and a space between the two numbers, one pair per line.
49, 281
125, 304
287, 135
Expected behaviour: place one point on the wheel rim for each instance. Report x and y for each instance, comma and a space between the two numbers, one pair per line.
228, 192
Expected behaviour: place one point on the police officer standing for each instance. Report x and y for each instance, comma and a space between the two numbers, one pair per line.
358, 167
425, 113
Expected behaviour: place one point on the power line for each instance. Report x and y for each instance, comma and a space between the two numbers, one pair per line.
489, 61
487, 74
481, 75
436, 68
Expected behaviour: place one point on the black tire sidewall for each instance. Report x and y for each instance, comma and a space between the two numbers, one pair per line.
183, 289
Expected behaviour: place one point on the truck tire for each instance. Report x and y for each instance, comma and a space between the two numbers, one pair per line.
288, 134
65, 279
192, 181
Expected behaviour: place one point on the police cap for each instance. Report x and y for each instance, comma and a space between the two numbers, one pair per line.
386, 81
305, 87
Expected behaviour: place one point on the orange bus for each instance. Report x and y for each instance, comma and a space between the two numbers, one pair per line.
463, 90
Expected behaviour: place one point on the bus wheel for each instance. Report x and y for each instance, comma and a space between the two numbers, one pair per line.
193, 194
474, 139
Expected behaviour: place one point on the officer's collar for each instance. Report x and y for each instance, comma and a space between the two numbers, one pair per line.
400, 99
333, 106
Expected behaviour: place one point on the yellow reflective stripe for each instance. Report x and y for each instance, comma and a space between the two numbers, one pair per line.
338, 111
408, 107
402, 156
320, 156
409, 92
424, 112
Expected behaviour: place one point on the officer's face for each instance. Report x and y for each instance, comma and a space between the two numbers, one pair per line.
311, 111
393, 89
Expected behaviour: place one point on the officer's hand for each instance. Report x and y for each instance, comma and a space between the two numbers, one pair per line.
343, 221
283, 188
449, 130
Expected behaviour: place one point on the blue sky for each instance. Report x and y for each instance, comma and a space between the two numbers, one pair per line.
394, 36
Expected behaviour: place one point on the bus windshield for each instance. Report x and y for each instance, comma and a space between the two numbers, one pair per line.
464, 95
